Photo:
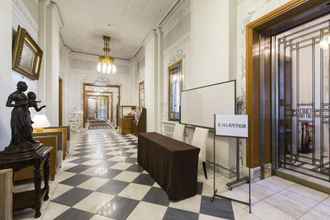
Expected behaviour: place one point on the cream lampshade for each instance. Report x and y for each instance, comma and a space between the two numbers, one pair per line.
40, 121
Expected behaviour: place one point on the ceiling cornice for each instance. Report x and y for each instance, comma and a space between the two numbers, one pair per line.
164, 18
58, 12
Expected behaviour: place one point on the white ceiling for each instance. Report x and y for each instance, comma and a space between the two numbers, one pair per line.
85, 21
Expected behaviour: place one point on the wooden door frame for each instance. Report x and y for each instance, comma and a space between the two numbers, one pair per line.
102, 86
111, 109
96, 96
109, 94
60, 102
87, 105
141, 84
275, 21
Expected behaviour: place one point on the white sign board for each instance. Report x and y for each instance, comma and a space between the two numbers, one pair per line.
231, 125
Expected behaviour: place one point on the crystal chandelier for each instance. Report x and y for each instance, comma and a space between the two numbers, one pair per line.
105, 64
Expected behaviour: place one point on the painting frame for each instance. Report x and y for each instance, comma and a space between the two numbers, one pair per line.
27, 55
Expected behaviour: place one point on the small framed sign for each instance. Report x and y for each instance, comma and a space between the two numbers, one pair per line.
231, 125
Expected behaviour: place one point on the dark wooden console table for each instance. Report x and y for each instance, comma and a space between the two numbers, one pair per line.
19, 160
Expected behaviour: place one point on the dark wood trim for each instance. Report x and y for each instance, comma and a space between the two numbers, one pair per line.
96, 96
104, 86
171, 70
140, 85
127, 106
258, 92
90, 91
60, 106
108, 94
110, 116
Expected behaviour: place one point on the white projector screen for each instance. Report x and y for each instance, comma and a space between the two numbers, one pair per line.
199, 105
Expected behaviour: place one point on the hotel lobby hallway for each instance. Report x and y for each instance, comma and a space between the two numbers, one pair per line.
102, 180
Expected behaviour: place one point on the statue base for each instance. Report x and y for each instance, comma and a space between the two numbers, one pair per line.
22, 147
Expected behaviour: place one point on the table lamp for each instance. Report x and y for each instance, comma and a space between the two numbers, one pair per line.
40, 121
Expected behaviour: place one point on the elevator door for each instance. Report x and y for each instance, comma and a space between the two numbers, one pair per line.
302, 66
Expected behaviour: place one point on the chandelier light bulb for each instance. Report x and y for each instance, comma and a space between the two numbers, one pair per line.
109, 68
325, 42
105, 64
104, 68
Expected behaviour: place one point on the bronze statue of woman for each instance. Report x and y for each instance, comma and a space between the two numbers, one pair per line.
21, 126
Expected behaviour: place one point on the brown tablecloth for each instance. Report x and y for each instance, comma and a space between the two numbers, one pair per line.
173, 164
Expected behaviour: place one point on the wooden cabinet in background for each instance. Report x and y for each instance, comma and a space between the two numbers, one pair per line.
127, 125
57, 138
6, 192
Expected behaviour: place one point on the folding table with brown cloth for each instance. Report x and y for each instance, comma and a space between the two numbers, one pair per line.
173, 164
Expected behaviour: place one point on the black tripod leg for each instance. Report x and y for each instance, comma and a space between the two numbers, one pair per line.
204, 167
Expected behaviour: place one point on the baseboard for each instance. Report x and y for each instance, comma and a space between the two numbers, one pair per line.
314, 183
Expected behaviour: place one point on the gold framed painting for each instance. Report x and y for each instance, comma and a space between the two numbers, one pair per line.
27, 55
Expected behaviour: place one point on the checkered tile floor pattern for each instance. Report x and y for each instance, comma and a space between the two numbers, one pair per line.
98, 125
104, 181
101, 180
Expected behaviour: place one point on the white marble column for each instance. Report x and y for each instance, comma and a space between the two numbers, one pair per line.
52, 57
150, 80
43, 5
6, 82
160, 79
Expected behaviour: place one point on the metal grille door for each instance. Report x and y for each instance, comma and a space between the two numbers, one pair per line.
303, 94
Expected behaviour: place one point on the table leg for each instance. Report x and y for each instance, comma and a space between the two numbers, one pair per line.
46, 178
37, 188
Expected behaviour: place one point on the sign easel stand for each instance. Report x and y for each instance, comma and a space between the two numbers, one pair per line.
239, 181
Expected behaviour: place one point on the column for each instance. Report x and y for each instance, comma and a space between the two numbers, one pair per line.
160, 79
52, 57
43, 5
151, 80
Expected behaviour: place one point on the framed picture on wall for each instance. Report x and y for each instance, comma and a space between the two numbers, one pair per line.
27, 55
175, 85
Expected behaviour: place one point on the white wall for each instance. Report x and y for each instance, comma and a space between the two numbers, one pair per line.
21, 15
33, 7
150, 81
52, 57
12, 14
26, 13
64, 74
82, 69
209, 37
6, 82
248, 11
210, 42
194, 34
177, 46
137, 70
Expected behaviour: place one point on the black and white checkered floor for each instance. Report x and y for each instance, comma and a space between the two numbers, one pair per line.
103, 181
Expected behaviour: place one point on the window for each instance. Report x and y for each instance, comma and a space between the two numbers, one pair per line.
141, 94
175, 87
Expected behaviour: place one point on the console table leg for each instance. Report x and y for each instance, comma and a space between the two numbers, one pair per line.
37, 188
46, 178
